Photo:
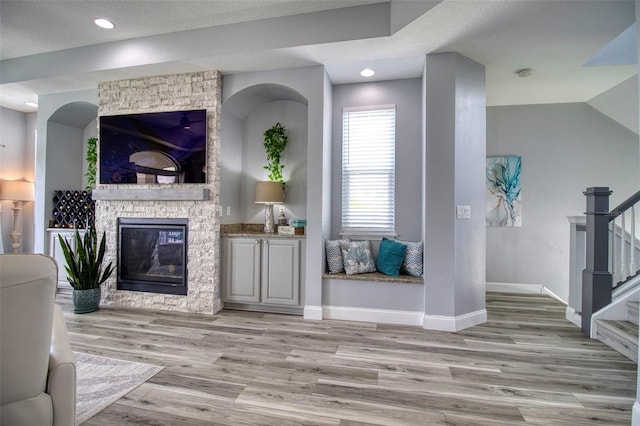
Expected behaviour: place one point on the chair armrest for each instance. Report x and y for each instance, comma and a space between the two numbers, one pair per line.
61, 383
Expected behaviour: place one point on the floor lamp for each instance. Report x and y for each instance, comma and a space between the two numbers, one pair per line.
269, 193
18, 192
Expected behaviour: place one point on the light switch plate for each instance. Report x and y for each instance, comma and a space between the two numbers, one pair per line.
463, 212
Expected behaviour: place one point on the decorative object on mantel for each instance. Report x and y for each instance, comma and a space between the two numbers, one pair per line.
92, 160
503, 191
275, 141
18, 192
269, 193
85, 270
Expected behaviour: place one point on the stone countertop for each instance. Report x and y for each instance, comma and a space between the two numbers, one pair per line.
251, 230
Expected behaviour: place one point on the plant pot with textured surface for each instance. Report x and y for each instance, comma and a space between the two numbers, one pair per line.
85, 301
85, 270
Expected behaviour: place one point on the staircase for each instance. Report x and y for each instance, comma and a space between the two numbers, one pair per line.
621, 335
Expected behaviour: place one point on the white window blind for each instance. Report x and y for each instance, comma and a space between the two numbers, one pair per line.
368, 170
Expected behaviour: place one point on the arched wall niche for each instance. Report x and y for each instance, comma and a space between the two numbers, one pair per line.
61, 155
245, 116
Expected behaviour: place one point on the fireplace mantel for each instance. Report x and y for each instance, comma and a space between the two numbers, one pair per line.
152, 194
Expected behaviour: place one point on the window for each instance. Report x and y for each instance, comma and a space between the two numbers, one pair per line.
368, 170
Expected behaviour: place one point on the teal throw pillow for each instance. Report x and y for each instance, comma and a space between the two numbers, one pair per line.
390, 257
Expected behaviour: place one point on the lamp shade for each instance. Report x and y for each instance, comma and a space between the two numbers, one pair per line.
269, 192
16, 190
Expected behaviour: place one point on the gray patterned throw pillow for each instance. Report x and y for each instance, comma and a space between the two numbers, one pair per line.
412, 264
358, 258
334, 255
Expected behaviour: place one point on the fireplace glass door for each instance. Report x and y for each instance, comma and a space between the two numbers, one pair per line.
152, 255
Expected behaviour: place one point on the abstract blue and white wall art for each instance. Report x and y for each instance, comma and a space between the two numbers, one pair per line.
504, 197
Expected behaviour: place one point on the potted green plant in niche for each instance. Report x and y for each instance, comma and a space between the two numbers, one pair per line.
275, 141
272, 191
85, 270
92, 161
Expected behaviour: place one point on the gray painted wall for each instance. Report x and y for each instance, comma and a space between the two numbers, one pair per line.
361, 294
17, 162
406, 95
565, 148
243, 158
293, 116
230, 166
46, 168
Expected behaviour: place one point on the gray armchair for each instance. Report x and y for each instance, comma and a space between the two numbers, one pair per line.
37, 367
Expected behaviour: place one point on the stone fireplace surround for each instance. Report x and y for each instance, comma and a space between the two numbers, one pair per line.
197, 202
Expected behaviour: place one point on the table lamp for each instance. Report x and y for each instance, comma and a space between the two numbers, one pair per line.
269, 193
18, 192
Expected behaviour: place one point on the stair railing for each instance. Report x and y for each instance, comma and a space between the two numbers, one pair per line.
624, 241
602, 268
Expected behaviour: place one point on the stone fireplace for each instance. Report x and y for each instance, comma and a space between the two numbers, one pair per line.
197, 204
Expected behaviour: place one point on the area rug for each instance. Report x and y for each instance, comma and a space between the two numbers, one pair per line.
101, 381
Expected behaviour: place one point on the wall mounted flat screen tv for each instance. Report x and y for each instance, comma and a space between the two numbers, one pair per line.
154, 148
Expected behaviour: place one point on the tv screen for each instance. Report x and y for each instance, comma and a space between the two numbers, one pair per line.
155, 148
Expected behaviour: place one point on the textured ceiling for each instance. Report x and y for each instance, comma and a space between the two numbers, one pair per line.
553, 38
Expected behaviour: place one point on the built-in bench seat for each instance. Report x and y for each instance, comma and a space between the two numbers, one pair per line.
375, 277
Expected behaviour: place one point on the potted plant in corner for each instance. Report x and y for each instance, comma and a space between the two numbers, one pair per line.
85, 270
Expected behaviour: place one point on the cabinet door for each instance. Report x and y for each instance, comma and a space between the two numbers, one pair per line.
242, 270
55, 251
281, 272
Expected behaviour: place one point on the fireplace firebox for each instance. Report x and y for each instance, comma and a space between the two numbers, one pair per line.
152, 255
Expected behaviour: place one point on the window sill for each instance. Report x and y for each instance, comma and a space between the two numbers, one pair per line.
367, 235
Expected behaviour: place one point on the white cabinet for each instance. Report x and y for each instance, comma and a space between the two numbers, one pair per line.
242, 270
281, 272
262, 272
55, 251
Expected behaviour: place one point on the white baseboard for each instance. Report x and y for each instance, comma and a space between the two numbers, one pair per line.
573, 316
522, 288
553, 295
312, 312
444, 323
385, 316
635, 414
515, 288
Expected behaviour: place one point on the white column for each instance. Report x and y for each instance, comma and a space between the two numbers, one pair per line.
454, 175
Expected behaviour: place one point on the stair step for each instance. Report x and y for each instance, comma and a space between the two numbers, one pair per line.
633, 312
621, 336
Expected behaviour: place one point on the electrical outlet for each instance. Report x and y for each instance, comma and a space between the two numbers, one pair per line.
281, 210
228, 210
219, 210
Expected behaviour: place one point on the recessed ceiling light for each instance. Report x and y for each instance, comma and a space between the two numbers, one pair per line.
31, 104
367, 72
104, 23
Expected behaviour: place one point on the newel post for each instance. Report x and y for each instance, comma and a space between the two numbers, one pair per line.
596, 279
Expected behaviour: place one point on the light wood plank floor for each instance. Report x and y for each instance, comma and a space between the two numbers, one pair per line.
526, 365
